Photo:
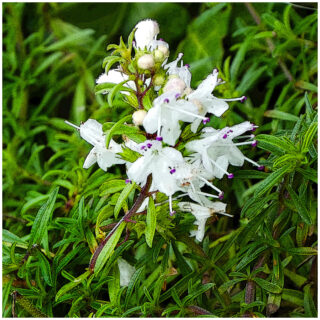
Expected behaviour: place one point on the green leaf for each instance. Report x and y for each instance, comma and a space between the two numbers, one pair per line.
182, 264
111, 186
302, 251
308, 303
270, 287
133, 282
277, 114
129, 155
309, 173
151, 222
308, 137
40, 223
123, 197
293, 296
115, 90
272, 179
108, 249
110, 132
282, 144
301, 209
75, 282
45, 268
250, 257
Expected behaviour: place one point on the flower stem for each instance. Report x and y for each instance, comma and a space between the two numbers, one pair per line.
142, 196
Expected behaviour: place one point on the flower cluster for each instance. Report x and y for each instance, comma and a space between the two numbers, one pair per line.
175, 173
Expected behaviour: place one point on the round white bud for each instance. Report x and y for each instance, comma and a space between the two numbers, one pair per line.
175, 84
164, 50
138, 117
146, 62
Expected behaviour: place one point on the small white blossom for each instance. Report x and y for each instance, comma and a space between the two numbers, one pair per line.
92, 132
217, 150
165, 115
126, 272
159, 162
202, 214
206, 102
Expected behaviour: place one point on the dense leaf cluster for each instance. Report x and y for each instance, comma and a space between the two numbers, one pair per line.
261, 262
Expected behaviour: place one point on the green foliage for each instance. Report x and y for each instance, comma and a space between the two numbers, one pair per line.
56, 213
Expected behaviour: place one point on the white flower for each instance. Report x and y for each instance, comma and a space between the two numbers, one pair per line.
181, 72
126, 272
202, 214
206, 102
146, 31
165, 115
217, 150
116, 76
159, 162
91, 131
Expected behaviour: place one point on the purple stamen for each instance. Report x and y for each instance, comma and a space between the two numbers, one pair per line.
172, 213
254, 143
230, 131
216, 70
128, 181
261, 168
187, 65
143, 147
166, 100
161, 39
149, 145
178, 95
221, 195
225, 136
172, 170
230, 176
159, 138
243, 99
206, 120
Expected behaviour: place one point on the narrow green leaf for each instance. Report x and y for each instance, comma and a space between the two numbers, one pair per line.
67, 287
108, 249
276, 142
277, 114
308, 137
115, 127
302, 251
301, 209
270, 287
272, 179
123, 197
41, 221
133, 282
151, 222
182, 264
308, 303
45, 268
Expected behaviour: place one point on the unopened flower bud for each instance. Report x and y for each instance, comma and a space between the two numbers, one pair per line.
138, 117
158, 56
158, 80
175, 84
146, 62
164, 50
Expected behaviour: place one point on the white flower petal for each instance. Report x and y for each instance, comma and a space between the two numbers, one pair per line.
147, 30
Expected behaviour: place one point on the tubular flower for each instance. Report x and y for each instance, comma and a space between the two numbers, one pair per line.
146, 31
202, 214
91, 131
217, 150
